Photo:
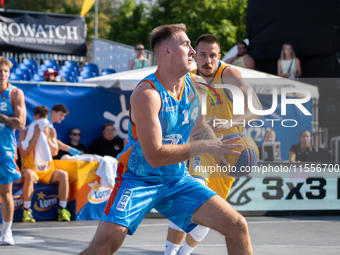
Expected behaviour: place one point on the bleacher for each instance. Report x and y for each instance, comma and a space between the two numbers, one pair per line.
29, 70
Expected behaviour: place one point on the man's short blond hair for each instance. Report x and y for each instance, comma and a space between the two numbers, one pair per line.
6, 62
162, 33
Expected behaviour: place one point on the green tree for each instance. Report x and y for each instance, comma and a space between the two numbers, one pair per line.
130, 24
225, 18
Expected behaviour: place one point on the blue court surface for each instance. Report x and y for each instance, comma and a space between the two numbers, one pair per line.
300, 235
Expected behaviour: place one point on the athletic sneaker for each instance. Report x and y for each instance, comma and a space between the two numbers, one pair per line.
7, 239
64, 214
27, 216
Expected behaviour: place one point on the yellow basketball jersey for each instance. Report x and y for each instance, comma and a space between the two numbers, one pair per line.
28, 161
217, 181
224, 111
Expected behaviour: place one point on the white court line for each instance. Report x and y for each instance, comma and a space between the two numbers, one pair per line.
166, 224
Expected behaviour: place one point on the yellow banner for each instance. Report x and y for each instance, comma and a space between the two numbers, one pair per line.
86, 6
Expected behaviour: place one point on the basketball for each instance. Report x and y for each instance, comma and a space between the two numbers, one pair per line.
241, 165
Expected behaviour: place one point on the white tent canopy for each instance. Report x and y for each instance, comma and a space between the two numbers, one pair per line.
262, 83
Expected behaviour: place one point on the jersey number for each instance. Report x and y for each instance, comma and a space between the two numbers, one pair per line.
3, 106
193, 115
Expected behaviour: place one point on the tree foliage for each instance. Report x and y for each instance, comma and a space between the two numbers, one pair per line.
130, 22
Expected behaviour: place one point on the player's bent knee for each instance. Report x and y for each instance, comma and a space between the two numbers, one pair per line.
29, 175
199, 233
239, 227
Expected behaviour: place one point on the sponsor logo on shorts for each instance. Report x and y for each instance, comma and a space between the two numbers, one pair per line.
9, 153
98, 194
124, 199
197, 162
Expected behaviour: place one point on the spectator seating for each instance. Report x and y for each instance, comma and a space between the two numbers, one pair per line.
107, 71
24, 74
14, 62
72, 65
88, 74
92, 67
52, 64
30, 70
80, 79
70, 71
37, 77
16, 77
31, 62
67, 75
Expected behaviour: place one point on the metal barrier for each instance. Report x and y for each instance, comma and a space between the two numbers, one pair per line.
113, 55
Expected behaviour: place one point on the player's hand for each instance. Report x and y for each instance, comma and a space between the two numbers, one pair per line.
219, 147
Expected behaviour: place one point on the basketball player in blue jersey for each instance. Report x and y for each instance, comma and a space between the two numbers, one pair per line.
164, 111
214, 72
12, 116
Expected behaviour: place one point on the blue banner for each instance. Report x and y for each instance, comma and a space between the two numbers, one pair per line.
89, 108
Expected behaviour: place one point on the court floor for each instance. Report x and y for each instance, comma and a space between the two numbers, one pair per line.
299, 235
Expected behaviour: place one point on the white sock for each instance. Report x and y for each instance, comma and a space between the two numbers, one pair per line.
170, 248
27, 204
63, 204
186, 249
6, 228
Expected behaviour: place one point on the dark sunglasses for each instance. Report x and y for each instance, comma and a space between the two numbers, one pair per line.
76, 134
139, 49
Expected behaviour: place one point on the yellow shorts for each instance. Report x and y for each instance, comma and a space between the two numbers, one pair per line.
43, 176
204, 166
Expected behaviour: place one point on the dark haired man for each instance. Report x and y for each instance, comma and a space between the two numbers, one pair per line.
164, 112
108, 144
59, 111
242, 59
214, 72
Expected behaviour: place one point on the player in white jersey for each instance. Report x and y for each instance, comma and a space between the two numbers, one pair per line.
12, 116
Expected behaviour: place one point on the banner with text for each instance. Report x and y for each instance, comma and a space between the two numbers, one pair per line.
42, 33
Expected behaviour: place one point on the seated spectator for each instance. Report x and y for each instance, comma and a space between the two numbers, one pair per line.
140, 61
288, 65
269, 136
59, 111
299, 152
108, 145
43, 172
74, 135
52, 75
242, 59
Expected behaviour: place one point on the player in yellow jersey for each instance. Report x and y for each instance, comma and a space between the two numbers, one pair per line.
44, 172
223, 121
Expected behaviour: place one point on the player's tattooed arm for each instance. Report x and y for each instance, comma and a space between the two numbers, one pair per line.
206, 134
12, 122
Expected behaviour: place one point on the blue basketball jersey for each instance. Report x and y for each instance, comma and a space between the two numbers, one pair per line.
177, 117
7, 135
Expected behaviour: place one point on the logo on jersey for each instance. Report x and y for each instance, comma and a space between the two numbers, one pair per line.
45, 202
98, 194
191, 98
172, 139
4, 97
124, 199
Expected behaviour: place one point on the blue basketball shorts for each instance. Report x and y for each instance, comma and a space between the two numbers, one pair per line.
9, 172
176, 199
